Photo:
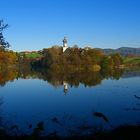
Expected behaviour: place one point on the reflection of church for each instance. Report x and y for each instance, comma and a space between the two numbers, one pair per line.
65, 84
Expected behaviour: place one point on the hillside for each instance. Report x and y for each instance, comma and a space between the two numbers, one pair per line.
124, 51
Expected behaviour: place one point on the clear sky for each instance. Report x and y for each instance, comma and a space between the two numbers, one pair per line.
37, 24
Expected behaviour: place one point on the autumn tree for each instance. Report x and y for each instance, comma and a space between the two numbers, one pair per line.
117, 59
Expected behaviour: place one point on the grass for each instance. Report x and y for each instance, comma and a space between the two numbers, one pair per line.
33, 55
132, 60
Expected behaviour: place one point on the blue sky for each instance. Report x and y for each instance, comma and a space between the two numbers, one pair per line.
37, 24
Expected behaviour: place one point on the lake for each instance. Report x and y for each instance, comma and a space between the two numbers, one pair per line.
68, 104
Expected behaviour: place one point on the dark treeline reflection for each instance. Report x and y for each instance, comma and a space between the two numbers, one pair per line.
59, 78
76, 78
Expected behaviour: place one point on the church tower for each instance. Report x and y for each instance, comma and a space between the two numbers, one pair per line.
64, 44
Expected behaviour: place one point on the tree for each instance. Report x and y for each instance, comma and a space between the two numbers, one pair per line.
117, 59
3, 43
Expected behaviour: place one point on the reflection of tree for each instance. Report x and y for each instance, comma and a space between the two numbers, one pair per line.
7, 75
112, 73
73, 79
57, 78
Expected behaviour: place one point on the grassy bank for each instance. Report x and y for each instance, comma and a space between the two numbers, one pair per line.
132, 60
33, 55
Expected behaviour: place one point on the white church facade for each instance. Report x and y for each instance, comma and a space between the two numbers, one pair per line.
65, 45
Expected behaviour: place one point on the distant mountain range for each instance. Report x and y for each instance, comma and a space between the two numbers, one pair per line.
124, 51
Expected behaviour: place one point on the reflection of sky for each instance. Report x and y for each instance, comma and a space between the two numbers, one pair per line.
30, 101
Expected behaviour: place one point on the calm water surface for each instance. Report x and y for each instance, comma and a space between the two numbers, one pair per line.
65, 108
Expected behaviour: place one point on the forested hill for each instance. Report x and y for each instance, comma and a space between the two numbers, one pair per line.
124, 51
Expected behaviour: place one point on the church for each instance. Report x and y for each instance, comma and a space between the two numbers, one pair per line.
65, 45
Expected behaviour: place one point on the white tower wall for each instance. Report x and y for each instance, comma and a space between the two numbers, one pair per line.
65, 44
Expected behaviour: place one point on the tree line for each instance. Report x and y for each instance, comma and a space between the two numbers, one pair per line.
79, 59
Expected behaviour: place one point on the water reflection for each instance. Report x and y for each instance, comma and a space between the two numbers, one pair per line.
56, 79
42, 110
65, 84
66, 79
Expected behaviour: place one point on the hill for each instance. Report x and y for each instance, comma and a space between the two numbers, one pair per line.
124, 51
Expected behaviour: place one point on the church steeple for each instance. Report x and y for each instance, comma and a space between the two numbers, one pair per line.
65, 44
